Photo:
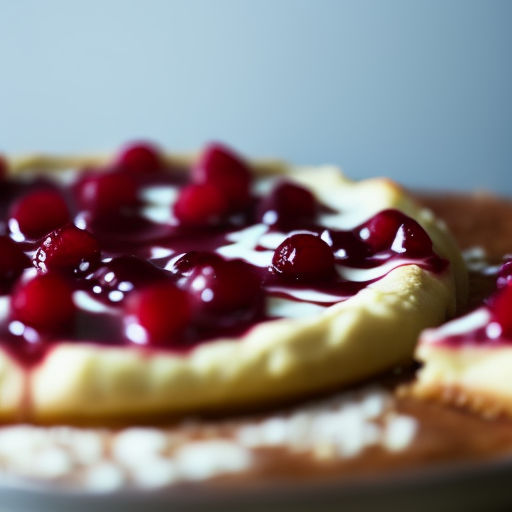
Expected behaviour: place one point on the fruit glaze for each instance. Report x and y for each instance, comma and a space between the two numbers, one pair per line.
488, 325
141, 253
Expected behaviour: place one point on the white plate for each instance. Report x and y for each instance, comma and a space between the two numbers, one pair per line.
478, 487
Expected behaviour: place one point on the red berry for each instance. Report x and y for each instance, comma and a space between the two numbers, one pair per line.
391, 229
380, 231
157, 313
68, 249
303, 257
12, 263
44, 303
200, 205
288, 203
223, 287
38, 213
223, 168
140, 158
413, 240
501, 304
107, 192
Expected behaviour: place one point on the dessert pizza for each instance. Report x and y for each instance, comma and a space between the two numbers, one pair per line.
143, 284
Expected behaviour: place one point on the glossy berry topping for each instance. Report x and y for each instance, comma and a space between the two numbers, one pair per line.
37, 213
190, 260
501, 306
200, 205
107, 192
288, 204
223, 287
68, 249
380, 231
303, 257
412, 240
12, 263
203, 296
391, 229
141, 158
157, 313
347, 246
44, 303
119, 276
223, 168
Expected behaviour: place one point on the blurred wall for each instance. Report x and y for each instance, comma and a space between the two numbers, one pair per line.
418, 90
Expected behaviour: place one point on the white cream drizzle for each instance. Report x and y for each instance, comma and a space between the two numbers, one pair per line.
470, 322
159, 214
86, 302
361, 275
164, 195
159, 199
307, 294
161, 252
277, 307
243, 246
4, 307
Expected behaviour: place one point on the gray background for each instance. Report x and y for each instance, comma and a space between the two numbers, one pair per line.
417, 90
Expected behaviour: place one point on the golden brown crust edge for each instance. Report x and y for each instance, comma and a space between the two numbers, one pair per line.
475, 378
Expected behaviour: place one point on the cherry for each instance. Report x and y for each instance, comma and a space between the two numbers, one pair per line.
140, 158
12, 263
223, 287
303, 257
68, 249
287, 204
38, 213
221, 167
107, 192
190, 260
124, 274
501, 305
413, 240
44, 303
380, 231
391, 229
157, 313
200, 205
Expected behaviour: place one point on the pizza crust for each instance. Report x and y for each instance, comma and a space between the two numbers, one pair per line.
472, 377
276, 360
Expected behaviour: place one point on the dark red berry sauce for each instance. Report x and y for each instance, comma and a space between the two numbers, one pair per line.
140, 253
489, 325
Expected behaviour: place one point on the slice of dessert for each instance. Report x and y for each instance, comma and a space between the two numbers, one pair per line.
166, 284
468, 361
